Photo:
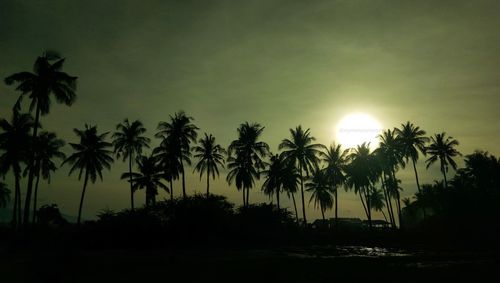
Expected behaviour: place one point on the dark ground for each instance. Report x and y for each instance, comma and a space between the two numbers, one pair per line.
312, 264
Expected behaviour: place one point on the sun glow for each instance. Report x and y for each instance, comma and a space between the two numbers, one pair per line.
357, 128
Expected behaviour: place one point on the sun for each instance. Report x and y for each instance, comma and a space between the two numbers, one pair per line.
357, 128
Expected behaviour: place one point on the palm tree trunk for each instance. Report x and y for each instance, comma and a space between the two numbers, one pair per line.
130, 181
208, 184
248, 196
444, 175
383, 214
244, 201
390, 211
27, 202
399, 211
295, 207
35, 197
416, 175
369, 208
171, 189
418, 183
302, 194
278, 196
336, 206
82, 197
183, 181
363, 203
322, 213
17, 196
398, 203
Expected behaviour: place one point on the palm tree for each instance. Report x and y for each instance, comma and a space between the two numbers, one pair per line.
303, 153
91, 156
241, 173
149, 178
442, 148
179, 132
361, 176
336, 161
290, 183
128, 141
46, 79
413, 141
274, 177
4, 195
210, 156
390, 156
46, 148
245, 157
378, 203
319, 185
14, 141
169, 164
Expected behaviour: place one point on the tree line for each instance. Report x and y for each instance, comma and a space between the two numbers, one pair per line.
302, 165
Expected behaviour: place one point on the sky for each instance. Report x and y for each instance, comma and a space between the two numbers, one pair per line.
280, 63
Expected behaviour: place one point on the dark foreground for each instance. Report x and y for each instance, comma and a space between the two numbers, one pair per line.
312, 264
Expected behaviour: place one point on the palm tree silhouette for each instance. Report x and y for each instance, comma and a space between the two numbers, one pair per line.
321, 191
390, 155
378, 203
149, 178
4, 195
274, 177
210, 156
442, 148
15, 141
128, 143
168, 162
179, 132
47, 78
46, 148
290, 183
336, 161
91, 155
304, 154
245, 158
361, 175
413, 141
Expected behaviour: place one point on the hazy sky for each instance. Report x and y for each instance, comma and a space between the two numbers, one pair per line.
279, 63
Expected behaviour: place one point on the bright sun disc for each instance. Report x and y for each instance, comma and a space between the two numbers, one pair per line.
355, 129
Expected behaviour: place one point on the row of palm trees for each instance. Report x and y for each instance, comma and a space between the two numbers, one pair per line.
302, 163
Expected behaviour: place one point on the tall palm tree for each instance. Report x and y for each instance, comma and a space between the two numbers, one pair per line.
47, 147
245, 156
91, 155
361, 176
390, 156
15, 140
413, 141
378, 202
384, 170
210, 156
242, 174
169, 164
180, 133
336, 160
290, 183
301, 151
4, 195
46, 79
149, 177
128, 141
321, 191
442, 148
274, 176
